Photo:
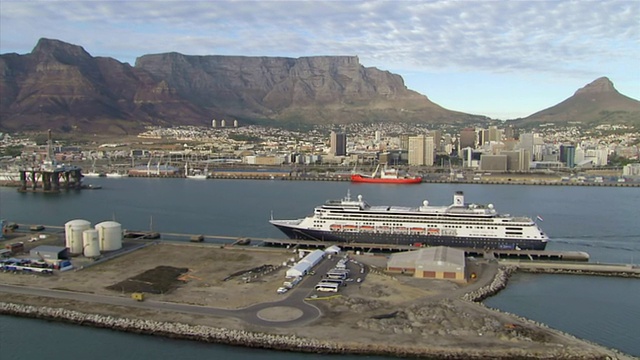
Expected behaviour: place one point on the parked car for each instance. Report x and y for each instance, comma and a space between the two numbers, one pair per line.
282, 290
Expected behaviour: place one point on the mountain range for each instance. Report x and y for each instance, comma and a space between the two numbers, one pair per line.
60, 86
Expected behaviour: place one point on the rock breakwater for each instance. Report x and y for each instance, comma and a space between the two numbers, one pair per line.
499, 282
269, 341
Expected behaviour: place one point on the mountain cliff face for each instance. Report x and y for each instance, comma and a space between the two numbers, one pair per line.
61, 86
596, 102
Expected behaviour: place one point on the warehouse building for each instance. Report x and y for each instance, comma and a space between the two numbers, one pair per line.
434, 263
49, 253
306, 264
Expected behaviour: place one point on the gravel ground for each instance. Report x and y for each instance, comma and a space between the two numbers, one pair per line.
383, 309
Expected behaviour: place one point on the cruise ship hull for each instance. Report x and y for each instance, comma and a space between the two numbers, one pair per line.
410, 239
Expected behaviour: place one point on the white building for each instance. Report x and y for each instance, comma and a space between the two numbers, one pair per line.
303, 266
421, 150
631, 170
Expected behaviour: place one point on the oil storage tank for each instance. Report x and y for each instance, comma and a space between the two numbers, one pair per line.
73, 235
109, 235
90, 243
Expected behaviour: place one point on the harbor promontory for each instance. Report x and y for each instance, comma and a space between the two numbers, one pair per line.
227, 294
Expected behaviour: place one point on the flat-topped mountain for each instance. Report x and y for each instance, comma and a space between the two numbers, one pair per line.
597, 102
61, 86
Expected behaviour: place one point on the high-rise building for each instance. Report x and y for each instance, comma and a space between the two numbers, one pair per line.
483, 137
467, 138
421, 150
526, 143
510, 132
495, 134
338, 144
404, 141
437, 139
568, 155
517, 160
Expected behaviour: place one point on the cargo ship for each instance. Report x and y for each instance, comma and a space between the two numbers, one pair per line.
385, 176
457, 225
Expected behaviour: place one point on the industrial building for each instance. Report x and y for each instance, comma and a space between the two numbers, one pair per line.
49, 253
435, 263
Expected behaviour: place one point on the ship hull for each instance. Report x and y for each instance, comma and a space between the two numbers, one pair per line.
410, 239
371, 180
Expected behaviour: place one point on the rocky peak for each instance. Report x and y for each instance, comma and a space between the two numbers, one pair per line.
600, 85
57, 50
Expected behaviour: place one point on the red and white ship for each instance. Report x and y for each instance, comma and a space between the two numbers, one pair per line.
386, 176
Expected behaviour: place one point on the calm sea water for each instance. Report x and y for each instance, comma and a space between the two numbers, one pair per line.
599, 220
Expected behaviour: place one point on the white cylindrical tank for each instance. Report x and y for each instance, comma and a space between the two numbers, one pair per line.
109, 235
73, 235
90, 243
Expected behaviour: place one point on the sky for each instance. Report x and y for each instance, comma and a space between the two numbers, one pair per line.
502, 59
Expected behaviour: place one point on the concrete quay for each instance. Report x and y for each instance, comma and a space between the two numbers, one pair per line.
546, 267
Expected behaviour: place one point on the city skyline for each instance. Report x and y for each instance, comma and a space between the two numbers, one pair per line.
499, 59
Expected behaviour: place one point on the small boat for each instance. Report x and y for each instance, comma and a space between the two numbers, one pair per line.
115, 175
244, 241
36, 227
386, 176
195, 174
197, 238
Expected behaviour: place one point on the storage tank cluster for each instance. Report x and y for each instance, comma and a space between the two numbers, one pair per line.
81, 238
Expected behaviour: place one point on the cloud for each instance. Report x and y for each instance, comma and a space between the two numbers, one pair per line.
553, 37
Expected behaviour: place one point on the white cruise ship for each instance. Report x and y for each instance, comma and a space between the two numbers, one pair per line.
456, 225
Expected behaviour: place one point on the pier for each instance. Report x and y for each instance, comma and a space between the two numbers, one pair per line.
532, 261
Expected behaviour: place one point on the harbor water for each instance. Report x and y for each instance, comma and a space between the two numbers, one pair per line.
602, 221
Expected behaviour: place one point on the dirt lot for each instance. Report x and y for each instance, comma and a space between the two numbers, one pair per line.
383, 309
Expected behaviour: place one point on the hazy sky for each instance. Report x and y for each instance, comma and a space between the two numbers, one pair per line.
503, 59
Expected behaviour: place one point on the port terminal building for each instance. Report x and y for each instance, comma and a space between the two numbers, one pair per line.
437, 262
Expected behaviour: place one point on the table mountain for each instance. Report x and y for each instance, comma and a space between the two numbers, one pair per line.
61, 86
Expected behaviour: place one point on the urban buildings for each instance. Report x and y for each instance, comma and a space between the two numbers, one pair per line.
421, 150
338, 144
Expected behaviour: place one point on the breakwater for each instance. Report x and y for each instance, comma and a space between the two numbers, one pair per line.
591, 269
275, 341
499, 282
